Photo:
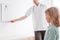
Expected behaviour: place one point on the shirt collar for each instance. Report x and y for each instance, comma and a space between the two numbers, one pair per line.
38, 5
53, 26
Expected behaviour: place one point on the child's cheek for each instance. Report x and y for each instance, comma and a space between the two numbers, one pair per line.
48, 19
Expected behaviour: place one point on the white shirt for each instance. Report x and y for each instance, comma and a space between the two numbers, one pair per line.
38, 17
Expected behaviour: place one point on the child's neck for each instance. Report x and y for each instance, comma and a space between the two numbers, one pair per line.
51, 23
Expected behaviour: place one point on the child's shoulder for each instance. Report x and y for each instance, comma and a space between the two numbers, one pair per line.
52, 28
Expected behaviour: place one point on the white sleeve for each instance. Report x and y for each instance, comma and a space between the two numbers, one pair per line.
29, 11
45, 7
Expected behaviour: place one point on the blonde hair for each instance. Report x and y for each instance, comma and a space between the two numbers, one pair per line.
54, 14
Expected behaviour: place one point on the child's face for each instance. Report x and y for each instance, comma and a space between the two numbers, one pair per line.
48, 17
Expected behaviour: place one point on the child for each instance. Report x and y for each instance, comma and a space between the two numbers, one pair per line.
52, 19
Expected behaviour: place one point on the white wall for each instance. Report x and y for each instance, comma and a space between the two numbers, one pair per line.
16, 9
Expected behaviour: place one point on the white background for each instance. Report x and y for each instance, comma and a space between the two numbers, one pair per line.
16, 9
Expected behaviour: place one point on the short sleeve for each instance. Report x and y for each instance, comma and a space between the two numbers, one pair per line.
45, 7
50, 35
29, 11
